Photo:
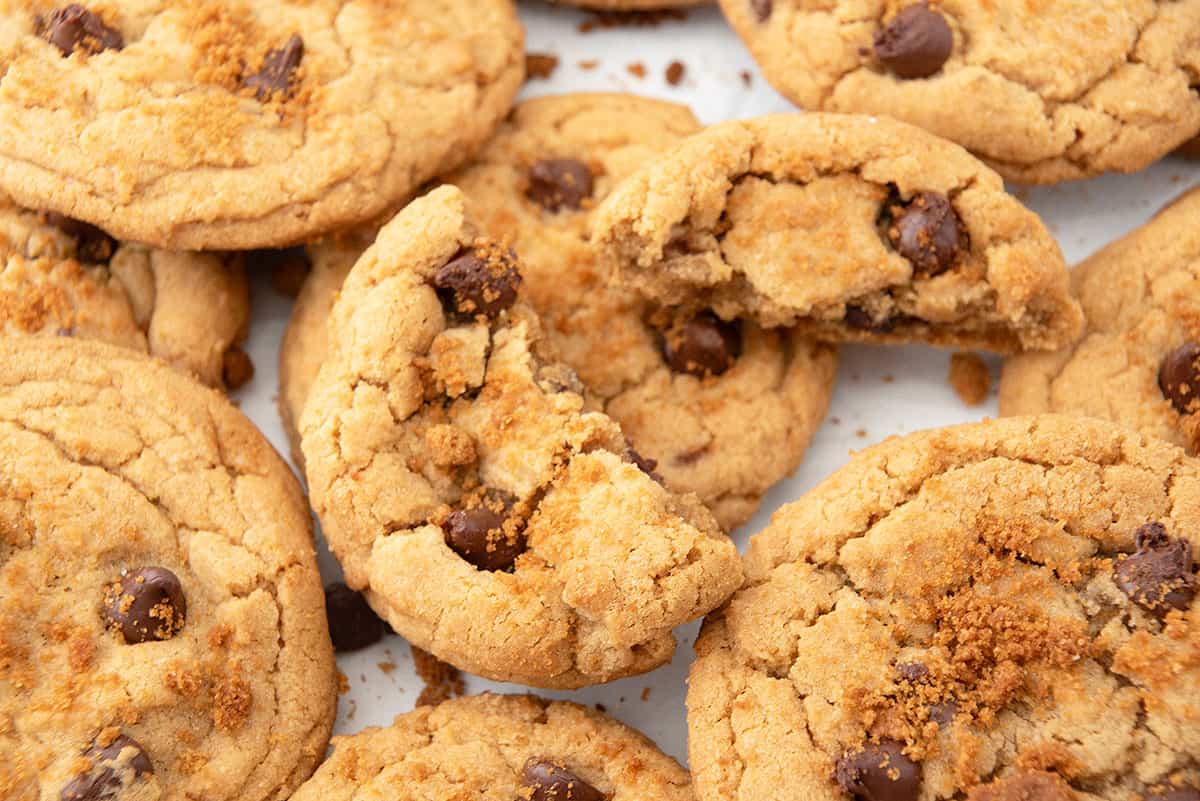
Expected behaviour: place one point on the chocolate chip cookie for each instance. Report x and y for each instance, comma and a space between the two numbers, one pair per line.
63, 277
1138, 359
992, 612
488, 516
1042, 92
848, 227
162, 626
499, 747
218, 126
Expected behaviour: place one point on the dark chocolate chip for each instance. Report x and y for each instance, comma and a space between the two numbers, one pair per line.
943, 712
353, 624
702, 346
859, 318
146, 604
278, 68
91, 244
110, 770
1173, 794
550, 781
879, 772
73, 27
555, 183
915, 44
478, 536
1159, 575
474, 283
1179, 377
912, 671
762, 9
647, 466
928, 232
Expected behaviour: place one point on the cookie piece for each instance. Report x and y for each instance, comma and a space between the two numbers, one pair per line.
488, 517
1042, 93
1001, 610
848, 227
500, 747
62, 277
1137, 361
162, 625
217, 126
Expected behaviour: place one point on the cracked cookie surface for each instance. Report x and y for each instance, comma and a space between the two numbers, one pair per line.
162, 625
60, 277
212, 125
1044, 92
1141, 301
977, 612
848, 227
499, 748
487, 516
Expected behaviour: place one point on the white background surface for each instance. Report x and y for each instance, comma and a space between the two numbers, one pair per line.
880, 391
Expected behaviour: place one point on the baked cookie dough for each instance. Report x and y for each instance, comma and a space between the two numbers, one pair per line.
487, 516
1042, 92
1001, 611
162, 625
493, 747
209, 125
62, 277
848, 227
1138, 359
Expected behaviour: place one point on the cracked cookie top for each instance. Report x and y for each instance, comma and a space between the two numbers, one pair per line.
848, 227
488, 516
996, 611
162, 625
238, 125
1043, 91
1138, 359
499, 747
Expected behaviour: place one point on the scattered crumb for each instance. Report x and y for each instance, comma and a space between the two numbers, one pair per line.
970, 377
442, 681
675, 73
603, 20
888, 378
747, 78
637, 69
343, 683
645, 693
837, 421
621, 700
588, 64
353, 710
861, 433
540, 65
386, 668
601, 708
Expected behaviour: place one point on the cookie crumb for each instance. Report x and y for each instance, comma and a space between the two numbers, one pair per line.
888, 378
387, 668
637, 69
540, 65
970, 377
588, 64
747, 78
861, 433
645, 693
675, 73
343, 683
442, 681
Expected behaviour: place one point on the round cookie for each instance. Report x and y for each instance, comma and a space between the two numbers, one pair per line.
999, 611
499, 747
162, 625
191, 310
215, 126
1137, 361
848, 227
1043, 93
487, 516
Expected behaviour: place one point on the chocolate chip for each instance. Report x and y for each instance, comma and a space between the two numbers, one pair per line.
146, 604
859, 318
702, 346
912, 671
479, 283
1179, 377
928, 232
550, 781
74, 27
1159, 575
353, 625
943, 712
478, 536
915, 44
278, 68
879, 772
1173, 794
109, 773
554, 183
645, 465
762, 9
91, 244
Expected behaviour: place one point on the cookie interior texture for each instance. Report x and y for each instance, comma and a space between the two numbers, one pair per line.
161, 617
849, 228
1141, 300
1000, 610
314, 115
440, 440
1043, 93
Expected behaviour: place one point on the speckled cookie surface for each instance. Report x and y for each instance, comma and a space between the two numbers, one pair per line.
996, 611
211, 125
848, 227
162, 626
490, 519
1044, 91
499, 748
191, 310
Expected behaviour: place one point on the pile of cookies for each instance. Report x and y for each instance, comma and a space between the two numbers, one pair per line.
544, 359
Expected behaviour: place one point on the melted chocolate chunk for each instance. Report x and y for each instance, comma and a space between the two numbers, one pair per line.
353, 624
146, 604
278, 70
473, 284
928, 232
1160, 575
879, 772
478, 536
1179, 378
558, 183
915, 44
550, 781
73, 27
703, 346
114, 767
